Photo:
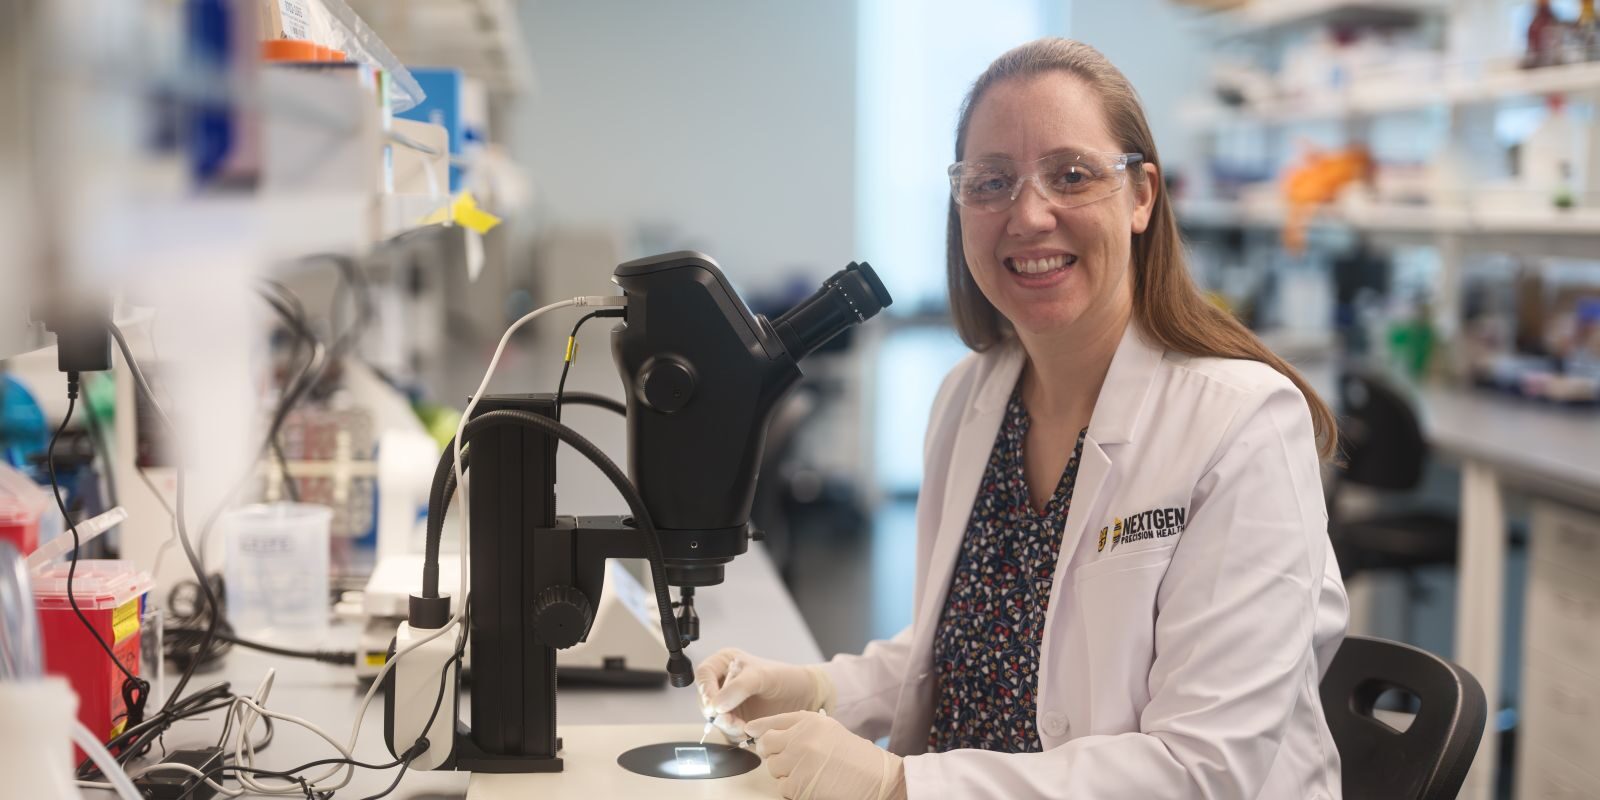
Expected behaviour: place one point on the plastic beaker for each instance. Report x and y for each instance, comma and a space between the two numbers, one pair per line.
277, 571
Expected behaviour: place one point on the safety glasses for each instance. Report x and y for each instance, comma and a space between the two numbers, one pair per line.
1067, 180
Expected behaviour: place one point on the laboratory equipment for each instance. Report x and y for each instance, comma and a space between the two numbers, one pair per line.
110, 594
22, 504
703, 376
689, 761
276, 571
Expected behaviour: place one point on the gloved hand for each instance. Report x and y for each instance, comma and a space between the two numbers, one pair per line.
737, 687
815, 757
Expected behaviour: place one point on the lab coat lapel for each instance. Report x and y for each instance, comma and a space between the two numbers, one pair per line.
1118, 413
970, 456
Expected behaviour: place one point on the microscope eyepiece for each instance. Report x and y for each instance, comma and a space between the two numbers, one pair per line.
853, 295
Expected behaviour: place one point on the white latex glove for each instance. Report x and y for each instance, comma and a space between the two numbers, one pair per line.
815, 757
737, 687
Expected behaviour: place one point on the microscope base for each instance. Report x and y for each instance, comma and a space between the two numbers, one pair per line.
592, 770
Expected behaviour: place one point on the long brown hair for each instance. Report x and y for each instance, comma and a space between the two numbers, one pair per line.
1166, 302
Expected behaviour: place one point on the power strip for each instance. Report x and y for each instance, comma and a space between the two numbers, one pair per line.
172, 784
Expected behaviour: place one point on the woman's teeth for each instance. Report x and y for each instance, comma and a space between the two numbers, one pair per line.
1034, 266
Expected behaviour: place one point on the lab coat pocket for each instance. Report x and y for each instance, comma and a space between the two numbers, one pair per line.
1116, 599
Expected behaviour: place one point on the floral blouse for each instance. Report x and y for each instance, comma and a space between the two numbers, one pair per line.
986, 647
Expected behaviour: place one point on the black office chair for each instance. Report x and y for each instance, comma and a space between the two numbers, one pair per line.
1429, 759
1384, 449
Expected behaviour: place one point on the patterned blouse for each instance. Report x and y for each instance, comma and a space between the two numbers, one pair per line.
986, 648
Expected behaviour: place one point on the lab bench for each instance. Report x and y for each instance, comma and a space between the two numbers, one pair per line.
750, 610
1552, 456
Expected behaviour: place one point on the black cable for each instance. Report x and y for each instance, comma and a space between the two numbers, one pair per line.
186, 610
179, 516
571, 355
678, 663
292, 312
343, 658
572, 350
596, 400
290, 309
439, 496
135, 690
133, 740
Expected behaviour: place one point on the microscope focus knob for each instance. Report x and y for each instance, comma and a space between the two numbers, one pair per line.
667, 384
561, 616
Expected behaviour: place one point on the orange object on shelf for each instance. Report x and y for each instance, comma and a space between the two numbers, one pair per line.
290, 50
1317, 182
339, 55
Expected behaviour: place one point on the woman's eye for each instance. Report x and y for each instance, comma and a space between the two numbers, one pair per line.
989, 184
1072, 178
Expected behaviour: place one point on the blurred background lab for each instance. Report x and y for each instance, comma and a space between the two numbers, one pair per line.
1401, 196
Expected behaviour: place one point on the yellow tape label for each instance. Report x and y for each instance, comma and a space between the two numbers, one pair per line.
125, 620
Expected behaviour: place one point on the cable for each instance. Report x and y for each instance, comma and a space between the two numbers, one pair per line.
135, 746
343, 658
90, 744
472, 403
135, 690
246, 710
596, 400
134, 742
293, 314
572, 350
641, 514
186, 610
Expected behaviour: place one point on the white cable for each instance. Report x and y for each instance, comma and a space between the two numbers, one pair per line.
246, 756
249, 710
465, 503
90, 744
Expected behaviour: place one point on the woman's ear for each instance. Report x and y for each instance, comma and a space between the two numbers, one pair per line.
1144, 196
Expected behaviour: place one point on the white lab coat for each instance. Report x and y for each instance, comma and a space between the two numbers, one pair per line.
1181, 656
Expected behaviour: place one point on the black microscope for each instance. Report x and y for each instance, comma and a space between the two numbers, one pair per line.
703, 376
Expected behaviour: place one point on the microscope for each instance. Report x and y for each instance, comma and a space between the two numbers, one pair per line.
703, 376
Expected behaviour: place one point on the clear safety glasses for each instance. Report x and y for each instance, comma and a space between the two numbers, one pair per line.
1067, 180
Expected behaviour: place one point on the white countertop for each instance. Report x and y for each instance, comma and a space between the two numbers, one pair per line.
751, 609
1536, 445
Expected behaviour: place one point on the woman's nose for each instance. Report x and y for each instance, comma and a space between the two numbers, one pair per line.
1031, 213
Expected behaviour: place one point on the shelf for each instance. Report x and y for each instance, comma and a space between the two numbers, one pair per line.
1265, 17
1579, 224
1408, 93
482, 37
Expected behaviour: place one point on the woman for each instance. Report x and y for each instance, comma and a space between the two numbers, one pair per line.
1125, 587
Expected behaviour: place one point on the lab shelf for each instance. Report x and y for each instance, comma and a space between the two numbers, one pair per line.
1408, 92
1534, 229
1266, 17
482, 37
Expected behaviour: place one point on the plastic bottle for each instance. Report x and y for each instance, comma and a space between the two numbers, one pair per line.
36, 719
1543, 36
1547, 155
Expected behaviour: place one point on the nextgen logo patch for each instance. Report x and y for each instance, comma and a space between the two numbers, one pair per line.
1157, 523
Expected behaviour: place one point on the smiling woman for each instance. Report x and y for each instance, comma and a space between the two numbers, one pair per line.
1125, 587
1053, 82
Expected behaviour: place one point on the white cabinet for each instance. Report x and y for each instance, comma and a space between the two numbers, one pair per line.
1558, 754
